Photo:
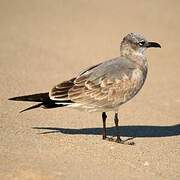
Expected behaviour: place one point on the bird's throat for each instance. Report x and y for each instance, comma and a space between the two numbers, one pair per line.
135, 56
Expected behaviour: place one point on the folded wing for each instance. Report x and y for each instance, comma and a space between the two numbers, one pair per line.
102, 86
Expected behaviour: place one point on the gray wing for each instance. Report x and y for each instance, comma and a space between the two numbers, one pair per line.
104, 85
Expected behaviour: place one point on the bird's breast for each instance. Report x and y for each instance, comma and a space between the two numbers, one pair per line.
127, 87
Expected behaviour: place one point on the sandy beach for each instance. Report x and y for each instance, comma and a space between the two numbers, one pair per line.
44, 42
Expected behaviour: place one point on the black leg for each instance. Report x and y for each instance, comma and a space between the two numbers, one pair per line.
104, 116
119, 140
116, 121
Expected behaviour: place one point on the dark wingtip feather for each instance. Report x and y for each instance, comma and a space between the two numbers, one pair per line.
41, 97
12, 98
32, 107
20, 98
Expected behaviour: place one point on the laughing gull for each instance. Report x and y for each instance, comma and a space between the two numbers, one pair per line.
103, 87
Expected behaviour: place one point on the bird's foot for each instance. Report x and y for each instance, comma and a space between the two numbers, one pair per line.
126, 141
119, 140
104, 137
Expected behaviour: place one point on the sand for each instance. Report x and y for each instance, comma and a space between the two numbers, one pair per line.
45, 42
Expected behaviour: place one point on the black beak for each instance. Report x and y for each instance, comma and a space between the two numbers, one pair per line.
153, 44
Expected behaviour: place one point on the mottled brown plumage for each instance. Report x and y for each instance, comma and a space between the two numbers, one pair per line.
103, 87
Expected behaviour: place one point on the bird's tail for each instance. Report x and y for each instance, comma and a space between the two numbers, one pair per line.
42, 98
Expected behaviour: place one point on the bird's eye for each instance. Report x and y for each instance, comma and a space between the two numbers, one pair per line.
141, 43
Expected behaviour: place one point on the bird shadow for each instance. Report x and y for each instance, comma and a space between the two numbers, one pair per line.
127, 131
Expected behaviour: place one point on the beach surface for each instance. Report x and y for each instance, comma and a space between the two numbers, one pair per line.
45, 42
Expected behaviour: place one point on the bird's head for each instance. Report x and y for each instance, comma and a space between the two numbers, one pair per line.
135, 44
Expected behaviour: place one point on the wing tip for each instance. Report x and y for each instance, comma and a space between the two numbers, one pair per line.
13, 98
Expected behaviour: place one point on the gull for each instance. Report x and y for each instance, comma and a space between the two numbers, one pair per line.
103, 87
